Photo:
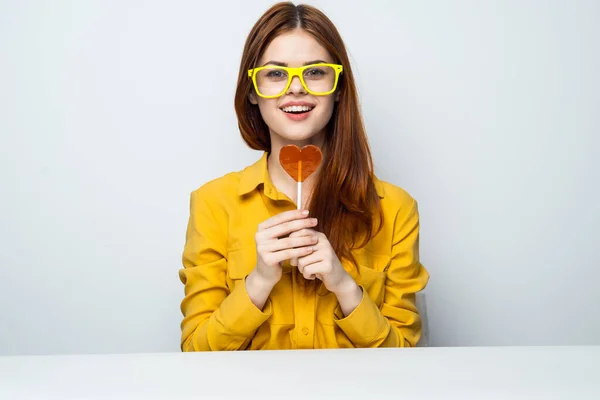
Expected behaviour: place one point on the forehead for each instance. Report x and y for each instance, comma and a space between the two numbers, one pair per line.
295, 48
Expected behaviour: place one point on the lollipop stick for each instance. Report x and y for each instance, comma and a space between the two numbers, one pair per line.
299, 198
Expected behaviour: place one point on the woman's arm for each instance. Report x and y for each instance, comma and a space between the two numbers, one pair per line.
215, 318
397, 323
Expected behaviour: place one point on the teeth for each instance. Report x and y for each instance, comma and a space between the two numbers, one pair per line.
297, 108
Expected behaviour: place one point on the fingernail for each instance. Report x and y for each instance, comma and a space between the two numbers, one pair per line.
313, 220
305, 212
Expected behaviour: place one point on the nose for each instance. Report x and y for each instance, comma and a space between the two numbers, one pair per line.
296, 86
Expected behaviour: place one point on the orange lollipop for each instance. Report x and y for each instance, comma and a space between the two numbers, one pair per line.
300, 164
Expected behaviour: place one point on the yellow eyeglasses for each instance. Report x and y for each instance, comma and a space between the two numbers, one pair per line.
273, 81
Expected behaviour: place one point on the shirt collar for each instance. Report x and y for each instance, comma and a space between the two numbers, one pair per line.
258, 173
254, 175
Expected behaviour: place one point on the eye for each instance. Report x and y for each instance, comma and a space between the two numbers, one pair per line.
274, 73
314, 72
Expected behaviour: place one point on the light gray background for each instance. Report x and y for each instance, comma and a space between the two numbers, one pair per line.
112, 112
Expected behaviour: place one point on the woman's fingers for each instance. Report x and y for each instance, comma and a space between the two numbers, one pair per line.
272, 251
279, 219
304, 232
300, 233
286, 236
306, 261
313, 271
287, 228
308, 272
290, 243
287, 254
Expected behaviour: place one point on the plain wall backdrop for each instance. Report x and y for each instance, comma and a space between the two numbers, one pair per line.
112, 112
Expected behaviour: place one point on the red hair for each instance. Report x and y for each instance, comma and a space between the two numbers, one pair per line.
344, 199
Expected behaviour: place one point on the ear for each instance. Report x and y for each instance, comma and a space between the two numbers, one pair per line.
252, 98
337, 95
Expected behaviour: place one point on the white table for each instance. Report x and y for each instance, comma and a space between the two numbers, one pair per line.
421, 373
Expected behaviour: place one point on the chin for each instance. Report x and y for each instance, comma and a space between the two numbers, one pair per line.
293, 135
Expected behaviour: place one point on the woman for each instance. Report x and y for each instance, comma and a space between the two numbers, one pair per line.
343, 272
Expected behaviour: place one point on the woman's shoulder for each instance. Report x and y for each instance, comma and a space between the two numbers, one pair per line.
236, 182
233, 185
224, 183
393, 197
219, 190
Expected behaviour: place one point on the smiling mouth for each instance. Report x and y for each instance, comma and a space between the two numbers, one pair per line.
297, 109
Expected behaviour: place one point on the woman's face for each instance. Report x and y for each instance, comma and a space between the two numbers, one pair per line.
295, 49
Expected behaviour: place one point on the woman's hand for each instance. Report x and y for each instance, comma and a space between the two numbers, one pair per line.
273, 246
325, 265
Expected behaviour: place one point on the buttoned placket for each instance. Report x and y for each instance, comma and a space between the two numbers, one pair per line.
304, 294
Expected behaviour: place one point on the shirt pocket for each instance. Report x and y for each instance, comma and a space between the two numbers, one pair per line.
240, 262
371, 275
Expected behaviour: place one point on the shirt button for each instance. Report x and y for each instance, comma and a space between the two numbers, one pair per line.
305, 331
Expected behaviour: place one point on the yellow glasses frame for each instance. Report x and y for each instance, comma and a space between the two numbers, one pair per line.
292, 72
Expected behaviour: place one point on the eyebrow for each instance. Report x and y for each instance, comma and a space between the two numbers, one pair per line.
282, 64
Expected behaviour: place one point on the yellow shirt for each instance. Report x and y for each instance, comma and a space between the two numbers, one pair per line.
299, 314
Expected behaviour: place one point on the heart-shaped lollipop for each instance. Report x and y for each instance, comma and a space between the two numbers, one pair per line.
300, 163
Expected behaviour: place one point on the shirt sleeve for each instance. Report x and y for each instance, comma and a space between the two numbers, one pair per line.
397, 323
215, 318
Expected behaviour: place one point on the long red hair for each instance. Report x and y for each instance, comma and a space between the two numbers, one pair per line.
344, 198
